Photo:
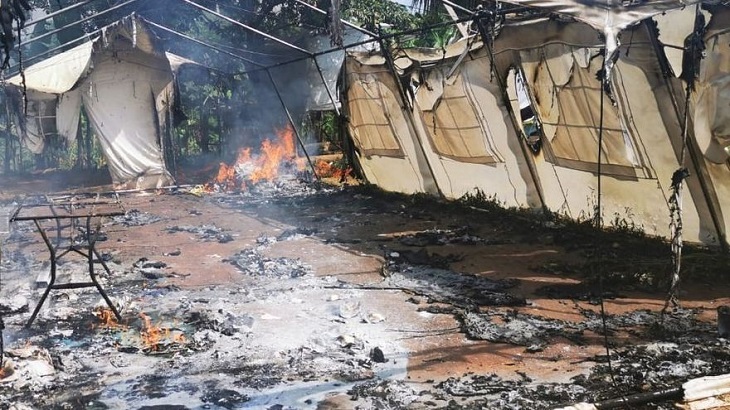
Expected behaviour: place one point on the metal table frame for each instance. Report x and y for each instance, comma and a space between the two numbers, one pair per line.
75, 210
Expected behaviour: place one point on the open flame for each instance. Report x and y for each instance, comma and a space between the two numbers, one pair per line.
330, 169
252, 168
6, 369
154, 337
107, 318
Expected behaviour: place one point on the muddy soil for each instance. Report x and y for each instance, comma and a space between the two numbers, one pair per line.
304, 295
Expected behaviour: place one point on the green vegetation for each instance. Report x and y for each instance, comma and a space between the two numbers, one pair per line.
218, 107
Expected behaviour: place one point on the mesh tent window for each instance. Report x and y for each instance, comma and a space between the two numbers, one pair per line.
454, 126
371, 121
568, 96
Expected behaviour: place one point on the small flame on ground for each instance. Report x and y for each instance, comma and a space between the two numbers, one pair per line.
265, 165
107, 318
326, 169
154, 336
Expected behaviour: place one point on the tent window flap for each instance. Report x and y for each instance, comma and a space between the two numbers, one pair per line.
454, 127
571, 112
371, 122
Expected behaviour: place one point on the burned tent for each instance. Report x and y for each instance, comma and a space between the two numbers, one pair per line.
123, 80
449, 121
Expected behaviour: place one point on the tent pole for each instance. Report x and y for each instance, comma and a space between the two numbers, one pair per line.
171, 126
8, 125
75, 23
508, 106
368, 41
407, 111
326, 87
293, 125
79, 146
347, 143
458, 7
56, 13
329, 92
246, 27
76, 40
88, 141
707, 190
204, 44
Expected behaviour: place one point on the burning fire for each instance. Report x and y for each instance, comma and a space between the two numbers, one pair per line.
254, 168
153, 336
107, 318
3, 371
327, 169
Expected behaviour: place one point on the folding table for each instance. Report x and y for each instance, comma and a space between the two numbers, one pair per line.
76, 220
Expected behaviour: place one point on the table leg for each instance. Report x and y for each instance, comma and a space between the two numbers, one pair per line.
92, 274
52, 251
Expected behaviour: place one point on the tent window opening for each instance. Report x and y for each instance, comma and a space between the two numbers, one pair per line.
572, 111
455, 128
528, 120
370, 120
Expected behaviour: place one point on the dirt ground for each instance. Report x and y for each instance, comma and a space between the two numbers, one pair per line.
300, 295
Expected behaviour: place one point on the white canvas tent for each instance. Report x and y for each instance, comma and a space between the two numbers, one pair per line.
460, 129
124, 82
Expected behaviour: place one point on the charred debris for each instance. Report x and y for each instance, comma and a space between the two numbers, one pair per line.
216, 346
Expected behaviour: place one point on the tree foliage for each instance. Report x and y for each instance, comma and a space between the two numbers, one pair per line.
12, 18
217, 99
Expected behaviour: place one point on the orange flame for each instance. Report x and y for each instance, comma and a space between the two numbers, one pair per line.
107, 318
266, 165
153, 336
150, 334
326, 169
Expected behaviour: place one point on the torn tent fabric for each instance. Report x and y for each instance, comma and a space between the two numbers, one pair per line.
122, 80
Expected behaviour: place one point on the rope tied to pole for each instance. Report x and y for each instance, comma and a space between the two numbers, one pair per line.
675, 226
694, 52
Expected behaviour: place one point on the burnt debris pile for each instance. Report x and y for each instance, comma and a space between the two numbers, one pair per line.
135, 217
307, 296
203, 232
251, 262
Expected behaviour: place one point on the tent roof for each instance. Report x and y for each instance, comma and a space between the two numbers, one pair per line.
60, 73
609, 15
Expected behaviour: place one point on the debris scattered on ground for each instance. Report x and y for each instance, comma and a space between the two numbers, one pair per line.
342, 318
251, 262
135, 217
458, 289
204, 232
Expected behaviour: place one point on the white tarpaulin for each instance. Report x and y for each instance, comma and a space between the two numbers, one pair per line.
118, 77
608, 16
330, 65
59, 73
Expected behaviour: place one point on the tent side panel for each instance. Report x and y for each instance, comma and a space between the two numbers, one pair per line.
640, 199
118, 96
384, 142
474, 110
710, 113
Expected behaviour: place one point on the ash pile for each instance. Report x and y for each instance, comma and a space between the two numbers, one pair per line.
280, 333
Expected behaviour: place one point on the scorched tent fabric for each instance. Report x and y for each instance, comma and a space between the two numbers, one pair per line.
711, 113
451, 115
121, 79
638, 156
